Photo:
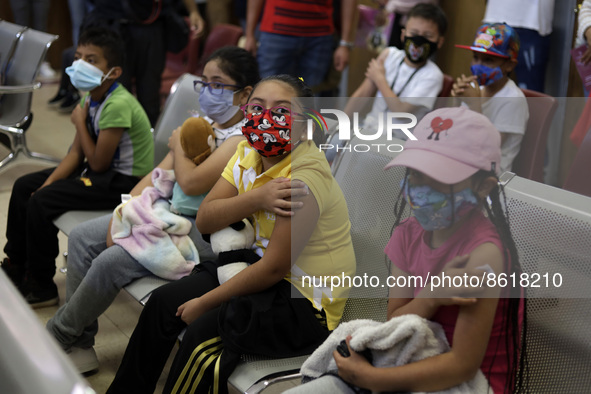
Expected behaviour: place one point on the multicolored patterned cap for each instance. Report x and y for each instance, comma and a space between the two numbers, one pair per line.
497, 39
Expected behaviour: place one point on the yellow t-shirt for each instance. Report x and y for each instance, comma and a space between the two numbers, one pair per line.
329, 251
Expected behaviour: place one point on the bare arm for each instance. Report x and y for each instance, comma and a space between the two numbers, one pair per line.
253, 13
356, 102
196, 180
446, 370
470, 341
341, 54
273, 266
69, 163
197, 23
99, 155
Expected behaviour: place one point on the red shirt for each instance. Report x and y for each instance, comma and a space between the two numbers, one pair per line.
408, 249
302, 18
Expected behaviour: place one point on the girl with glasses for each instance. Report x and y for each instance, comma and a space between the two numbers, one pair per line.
98, 269
283, 184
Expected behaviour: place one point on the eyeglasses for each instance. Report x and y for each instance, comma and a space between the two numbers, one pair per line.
259, 110
214, 87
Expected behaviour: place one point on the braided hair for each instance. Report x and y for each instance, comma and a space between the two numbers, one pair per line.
515, 339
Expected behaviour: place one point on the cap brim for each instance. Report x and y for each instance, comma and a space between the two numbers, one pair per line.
481, 50
439, 167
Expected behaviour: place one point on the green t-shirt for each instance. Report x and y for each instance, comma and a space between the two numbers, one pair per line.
120, 109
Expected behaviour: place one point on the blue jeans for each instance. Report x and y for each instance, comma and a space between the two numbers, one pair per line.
532, 59
306, 57
95, 276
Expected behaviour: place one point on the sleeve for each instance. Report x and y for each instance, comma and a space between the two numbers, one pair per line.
228, 173
319, 186
396, 247
116, 114
512, 115
584, 20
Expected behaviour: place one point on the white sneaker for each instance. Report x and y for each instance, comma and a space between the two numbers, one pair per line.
46, 73
84, 359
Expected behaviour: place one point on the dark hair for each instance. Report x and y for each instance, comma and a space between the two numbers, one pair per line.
238, 64
297, 84
430, 12
108, 40
515, 344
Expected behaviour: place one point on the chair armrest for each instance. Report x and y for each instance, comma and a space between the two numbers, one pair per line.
4, 89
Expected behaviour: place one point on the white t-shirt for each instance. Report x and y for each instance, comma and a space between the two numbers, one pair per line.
422, 89
222, 135
529, 14
509, 112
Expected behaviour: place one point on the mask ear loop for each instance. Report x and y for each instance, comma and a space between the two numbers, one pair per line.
103, 79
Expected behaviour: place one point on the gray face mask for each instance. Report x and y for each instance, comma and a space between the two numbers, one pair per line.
219, 107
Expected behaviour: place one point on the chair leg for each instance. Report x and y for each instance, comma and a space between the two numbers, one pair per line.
7, 160
19, 145
64, 268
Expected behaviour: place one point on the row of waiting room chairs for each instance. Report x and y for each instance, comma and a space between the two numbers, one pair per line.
551, 227
22, 50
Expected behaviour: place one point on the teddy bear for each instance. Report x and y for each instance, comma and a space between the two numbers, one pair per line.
233, 247
197, 139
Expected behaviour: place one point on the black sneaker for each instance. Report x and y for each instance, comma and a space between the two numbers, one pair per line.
39, 295
69, 103
58, 98
15, 272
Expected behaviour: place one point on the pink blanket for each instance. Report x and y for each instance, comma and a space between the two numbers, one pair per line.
157, 238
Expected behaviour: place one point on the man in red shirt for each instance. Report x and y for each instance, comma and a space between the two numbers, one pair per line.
298, 37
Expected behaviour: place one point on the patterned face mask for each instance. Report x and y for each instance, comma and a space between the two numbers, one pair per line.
486, 75
434, 210
268, 131
418, 48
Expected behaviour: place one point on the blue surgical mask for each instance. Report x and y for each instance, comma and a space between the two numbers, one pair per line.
84, 76
434, 210
486, 75
219, 107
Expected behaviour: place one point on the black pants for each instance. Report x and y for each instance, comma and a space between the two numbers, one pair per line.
206, 355
31, 236
145, 56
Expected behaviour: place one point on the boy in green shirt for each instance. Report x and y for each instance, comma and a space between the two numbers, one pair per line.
112, 150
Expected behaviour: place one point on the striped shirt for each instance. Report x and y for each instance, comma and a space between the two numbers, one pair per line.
302, 18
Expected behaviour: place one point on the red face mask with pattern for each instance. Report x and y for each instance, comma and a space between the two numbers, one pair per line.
268, 131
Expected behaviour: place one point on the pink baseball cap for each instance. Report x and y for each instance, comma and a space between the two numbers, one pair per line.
452, 145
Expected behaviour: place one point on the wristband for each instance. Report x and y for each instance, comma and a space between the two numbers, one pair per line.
345, 43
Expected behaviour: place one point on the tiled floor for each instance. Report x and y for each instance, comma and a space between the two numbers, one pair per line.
52, 133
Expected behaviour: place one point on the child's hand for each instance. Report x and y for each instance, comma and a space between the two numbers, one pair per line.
197, 24
460, 292
174, 141
376, 72
465, 87
79, 114
275, 196
191, 310
353, 369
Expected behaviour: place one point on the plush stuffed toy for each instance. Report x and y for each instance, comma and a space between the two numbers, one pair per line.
197, 139
233, 247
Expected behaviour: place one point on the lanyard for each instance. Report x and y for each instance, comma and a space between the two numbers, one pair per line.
407, 81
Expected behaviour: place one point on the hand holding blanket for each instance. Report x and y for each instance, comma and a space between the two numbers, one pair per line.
157, 238
399, 341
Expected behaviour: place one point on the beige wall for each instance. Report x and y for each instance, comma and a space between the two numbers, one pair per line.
464, 17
